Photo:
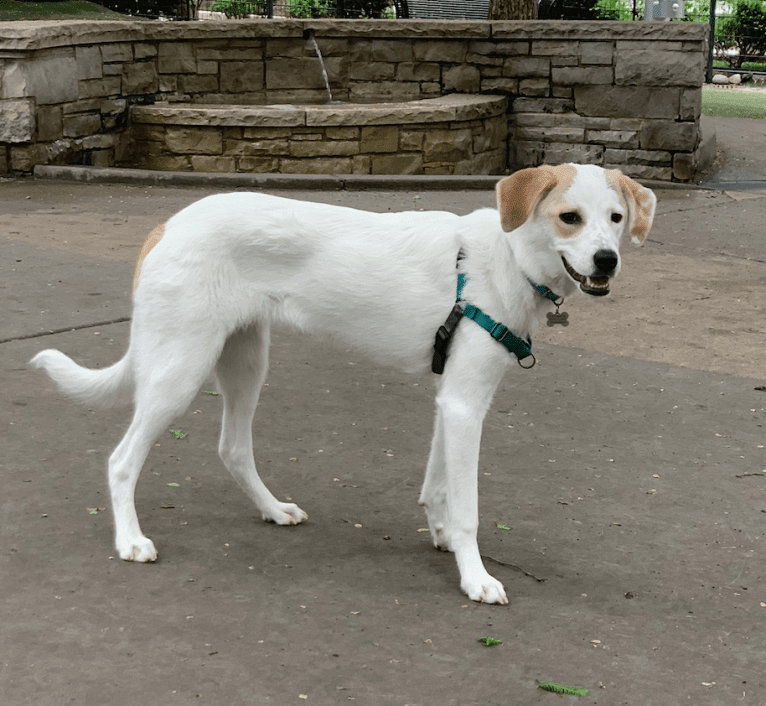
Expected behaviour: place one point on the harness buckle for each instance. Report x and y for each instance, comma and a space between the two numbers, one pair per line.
444, 338
500, 336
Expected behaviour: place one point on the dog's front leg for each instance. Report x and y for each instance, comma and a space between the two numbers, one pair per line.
433, 496
450, 492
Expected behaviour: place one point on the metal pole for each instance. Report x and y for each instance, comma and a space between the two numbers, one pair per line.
711, 42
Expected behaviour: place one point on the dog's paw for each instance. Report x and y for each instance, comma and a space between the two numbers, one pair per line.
485, 589
437, 524
142, 550
440, 537
285, 514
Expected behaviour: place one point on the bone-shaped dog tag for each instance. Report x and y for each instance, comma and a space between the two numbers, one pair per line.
560, 317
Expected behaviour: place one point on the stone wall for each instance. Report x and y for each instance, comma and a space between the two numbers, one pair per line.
455, 134
615, 94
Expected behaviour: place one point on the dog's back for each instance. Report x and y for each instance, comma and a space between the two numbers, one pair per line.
244, 256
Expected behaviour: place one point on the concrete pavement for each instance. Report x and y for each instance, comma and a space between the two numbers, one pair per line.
628, 465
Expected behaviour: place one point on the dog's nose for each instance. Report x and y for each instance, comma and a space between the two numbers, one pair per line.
605, 262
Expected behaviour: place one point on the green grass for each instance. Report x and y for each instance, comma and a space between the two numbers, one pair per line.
67, 10
725, 103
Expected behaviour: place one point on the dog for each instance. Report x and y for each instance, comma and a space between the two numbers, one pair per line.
211, 282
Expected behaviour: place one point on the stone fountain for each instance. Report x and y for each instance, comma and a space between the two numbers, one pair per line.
418, 97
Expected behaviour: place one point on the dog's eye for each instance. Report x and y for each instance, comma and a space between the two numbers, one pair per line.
616, 217
570, 217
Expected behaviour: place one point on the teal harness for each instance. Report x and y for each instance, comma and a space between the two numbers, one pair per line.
521, 348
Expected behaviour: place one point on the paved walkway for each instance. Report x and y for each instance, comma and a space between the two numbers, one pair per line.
628, 465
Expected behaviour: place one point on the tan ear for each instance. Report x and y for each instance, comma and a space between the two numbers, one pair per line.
641, 204
152, 240
518, 194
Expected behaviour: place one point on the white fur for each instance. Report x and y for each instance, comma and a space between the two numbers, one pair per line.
230, 266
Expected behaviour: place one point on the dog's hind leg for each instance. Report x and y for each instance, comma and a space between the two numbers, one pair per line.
167, 378
241, 371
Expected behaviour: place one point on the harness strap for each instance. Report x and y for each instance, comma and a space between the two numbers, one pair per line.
519, 347
500, 332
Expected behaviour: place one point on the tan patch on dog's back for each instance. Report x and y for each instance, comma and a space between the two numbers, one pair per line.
518, 193
153, 238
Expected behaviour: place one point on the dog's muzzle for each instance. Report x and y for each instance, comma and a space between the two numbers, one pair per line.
596, 285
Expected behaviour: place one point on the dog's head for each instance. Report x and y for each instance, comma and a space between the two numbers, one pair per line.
585, 209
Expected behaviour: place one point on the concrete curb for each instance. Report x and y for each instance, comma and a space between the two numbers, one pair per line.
329, 182
322, 182
708, 144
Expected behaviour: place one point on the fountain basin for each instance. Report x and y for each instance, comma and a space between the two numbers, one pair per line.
452, 134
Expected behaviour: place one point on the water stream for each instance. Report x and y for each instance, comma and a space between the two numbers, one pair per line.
313, 44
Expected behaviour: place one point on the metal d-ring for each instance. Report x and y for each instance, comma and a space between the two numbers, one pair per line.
527, 367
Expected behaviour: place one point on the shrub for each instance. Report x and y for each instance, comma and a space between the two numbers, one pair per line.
338, 8
238, 9
749, 29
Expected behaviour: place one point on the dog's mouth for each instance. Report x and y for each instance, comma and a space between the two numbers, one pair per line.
595, 286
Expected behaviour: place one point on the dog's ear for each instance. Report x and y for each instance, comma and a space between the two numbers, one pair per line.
518, 194
641, 204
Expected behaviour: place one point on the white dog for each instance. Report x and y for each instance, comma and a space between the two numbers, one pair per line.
212, 281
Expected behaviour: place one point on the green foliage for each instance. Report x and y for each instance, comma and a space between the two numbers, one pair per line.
749, 28
310, 8
489, 641
617, 10
238, 9
339, 8
743, 29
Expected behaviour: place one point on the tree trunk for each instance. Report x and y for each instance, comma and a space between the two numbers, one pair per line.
512, 10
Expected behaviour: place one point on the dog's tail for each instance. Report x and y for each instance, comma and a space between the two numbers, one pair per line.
99, 388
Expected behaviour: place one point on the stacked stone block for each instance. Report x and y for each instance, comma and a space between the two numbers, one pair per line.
615, 94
